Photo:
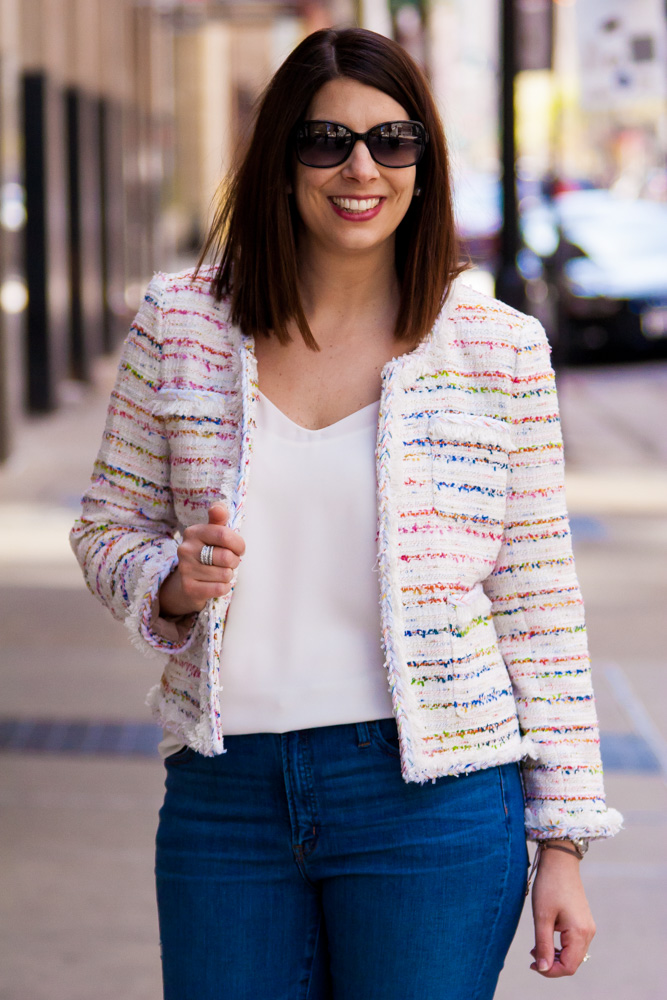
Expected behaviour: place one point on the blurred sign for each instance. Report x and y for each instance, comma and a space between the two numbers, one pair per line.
534, 34
622, 52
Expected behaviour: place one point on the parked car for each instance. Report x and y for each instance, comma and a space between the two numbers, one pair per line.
609, 270
594, 265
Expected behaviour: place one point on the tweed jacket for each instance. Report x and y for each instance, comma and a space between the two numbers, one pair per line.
482, 622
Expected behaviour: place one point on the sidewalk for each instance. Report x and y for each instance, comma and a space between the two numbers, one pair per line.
77, 905
76, 899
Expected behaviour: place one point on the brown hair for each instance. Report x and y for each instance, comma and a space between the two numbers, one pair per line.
252, 239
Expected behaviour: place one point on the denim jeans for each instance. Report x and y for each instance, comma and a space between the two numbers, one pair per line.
300, 866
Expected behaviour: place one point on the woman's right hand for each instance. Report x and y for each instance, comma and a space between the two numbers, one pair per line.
191, 585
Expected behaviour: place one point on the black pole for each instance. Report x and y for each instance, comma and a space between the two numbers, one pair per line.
509, 284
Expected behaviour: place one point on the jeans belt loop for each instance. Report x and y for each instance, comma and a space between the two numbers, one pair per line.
363, 735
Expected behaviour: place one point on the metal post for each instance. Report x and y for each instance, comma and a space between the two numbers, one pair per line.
509, 284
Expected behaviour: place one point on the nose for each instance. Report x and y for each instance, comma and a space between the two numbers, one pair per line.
360, 165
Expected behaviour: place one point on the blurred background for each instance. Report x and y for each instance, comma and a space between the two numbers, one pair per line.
118, 119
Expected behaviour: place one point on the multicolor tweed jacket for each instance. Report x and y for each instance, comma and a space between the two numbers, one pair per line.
482, 620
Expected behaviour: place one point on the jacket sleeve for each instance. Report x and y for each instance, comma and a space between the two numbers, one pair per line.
125, 539
539, 618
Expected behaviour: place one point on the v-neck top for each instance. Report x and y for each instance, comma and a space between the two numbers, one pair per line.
302, 642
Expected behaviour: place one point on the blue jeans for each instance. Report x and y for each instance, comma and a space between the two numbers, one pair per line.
300, 866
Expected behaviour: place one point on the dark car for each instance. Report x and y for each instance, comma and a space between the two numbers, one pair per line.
594, 265
609, 271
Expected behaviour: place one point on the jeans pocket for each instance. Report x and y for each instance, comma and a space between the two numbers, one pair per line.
384, 735
179, 755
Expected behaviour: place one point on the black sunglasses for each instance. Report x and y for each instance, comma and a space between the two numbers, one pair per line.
391, 144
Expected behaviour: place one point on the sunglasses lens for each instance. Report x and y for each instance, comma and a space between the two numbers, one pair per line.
328, 144
322, 144
397, 144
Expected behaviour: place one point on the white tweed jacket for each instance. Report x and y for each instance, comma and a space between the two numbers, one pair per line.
482, 620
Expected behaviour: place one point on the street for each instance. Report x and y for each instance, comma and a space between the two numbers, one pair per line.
80, 783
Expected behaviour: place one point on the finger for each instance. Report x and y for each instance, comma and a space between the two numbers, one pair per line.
544, 942
232, 540
217, 535
201, 591
574, 941
566, 961
211, 591
225, 558
533, 952
218, 514
222, 569
571, 957
556, 970
215, 574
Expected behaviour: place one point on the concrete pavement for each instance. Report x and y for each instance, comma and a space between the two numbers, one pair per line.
76, 894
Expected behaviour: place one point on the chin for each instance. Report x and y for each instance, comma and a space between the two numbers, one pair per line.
361, 242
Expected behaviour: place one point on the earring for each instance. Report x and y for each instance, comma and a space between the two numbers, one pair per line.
417, 191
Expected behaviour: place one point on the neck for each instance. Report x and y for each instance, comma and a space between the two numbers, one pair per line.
338, 290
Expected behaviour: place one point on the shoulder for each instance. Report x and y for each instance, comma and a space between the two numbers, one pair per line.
186, 290
185, 307
487, 321
481, 334
192, 339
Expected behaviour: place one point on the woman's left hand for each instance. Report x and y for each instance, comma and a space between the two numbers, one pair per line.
560, 905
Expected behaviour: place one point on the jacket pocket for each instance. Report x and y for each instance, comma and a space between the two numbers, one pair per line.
470, 462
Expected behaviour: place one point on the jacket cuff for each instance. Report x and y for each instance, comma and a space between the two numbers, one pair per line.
176, 631
148, 630
552, 823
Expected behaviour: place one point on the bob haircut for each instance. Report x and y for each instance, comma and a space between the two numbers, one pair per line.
253, 239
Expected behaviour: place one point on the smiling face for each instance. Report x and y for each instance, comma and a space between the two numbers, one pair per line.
357, 206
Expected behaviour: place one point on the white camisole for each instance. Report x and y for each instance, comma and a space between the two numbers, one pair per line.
302, 640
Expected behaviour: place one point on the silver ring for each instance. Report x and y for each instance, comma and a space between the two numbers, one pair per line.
586, 957
206, 555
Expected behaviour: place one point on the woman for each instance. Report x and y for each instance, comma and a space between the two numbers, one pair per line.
369, 460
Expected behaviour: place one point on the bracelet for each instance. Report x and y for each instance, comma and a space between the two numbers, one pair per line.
544, 845
549, 845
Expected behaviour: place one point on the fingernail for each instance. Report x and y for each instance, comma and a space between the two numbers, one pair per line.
542, 965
